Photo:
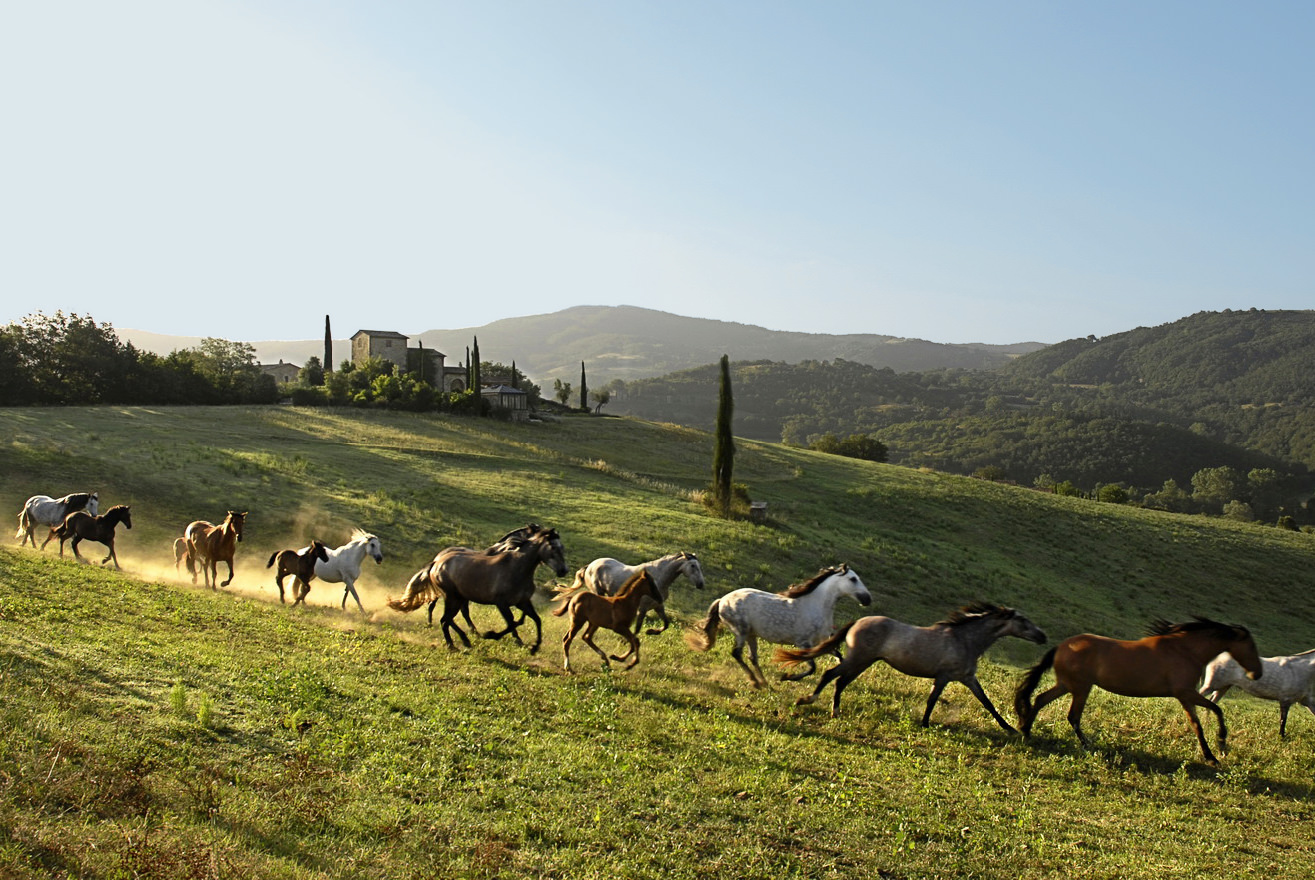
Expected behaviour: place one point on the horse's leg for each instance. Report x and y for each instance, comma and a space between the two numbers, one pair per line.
229, 580
511, 626
1283, 718
113, 556
349, 587
809, 669
938, 685
738, 653
576, 624
1074, 712
448, 621
73, 545
32, 533
753, 658
976, 687
1046, 698
431, 613
1188, 705
588, 638
527, 607
634, 648
279, 580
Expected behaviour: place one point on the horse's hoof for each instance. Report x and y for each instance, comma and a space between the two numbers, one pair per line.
654, 632
805, 701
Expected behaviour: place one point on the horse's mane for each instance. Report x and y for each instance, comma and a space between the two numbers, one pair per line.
359, 534
1162, 627
794, 591
973, 611
515, 539
76, 499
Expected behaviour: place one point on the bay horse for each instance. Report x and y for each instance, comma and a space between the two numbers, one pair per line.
946, 651
1167, 663
42, 510
344, 564
301, 565
209, 544
1286, 680
81, 526
500, 577
606, 576
590, 611
801, 615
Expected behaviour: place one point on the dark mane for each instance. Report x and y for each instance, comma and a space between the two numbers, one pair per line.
974, 611
1162, 627
515, 539
76, 500
794, 591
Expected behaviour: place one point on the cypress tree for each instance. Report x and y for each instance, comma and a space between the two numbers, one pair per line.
475, 384
328, 346
584, 390
723, 454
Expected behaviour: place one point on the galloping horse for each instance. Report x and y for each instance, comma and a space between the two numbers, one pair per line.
46, 511
209, 544
945, 651
500, 577
1167, 663
1286, 680
301, 565
344, 565
590, 611
606, 576
82, 526
802, 615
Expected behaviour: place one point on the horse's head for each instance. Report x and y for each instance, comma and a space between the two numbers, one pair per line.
318, 551
692, 570
1242, 648
376, 550
847, 581
126, 516
1017, 625
93, 504
237, 521
550, 551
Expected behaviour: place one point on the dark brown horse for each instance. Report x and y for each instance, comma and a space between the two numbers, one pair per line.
502, 577
590, 611
81, 526
301, 565
1167, 663
209, 544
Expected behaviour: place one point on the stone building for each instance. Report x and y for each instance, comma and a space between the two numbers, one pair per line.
386, 344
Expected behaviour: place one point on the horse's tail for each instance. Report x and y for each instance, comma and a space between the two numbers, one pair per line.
419, 590
579, 579
1023, 695
562, 597
272, 557
704, 635
791, 656
24, 523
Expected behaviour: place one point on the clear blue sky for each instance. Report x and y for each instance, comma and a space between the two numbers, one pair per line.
958, 172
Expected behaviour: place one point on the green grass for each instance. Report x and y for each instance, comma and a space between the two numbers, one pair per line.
156, 729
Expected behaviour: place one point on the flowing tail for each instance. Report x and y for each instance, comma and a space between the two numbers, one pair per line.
1023, 696
704, 635
791, 656
272, 557
562, 596
419, 590
24, 522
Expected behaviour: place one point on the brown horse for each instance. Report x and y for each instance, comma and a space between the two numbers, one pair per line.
1167, 663
589, 611
502, 576
301, 565
209, 544
82, 526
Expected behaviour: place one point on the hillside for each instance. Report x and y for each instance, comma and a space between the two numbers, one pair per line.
625, 342
157, 729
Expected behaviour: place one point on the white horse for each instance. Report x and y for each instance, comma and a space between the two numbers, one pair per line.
801, 615
1285, 679
42, 510
606, 576
344, 564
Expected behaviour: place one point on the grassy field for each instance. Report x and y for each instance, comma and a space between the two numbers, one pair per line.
157, 729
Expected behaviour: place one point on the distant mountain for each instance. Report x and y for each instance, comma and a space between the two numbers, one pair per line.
627, 342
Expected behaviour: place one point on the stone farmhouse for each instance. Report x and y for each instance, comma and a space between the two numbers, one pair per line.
282, 373
391, 346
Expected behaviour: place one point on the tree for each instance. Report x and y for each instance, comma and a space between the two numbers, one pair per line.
476, 385
312, 373
328, 347
723, 454
561, 390
1215, 487
863, 446
584, 390
600, 399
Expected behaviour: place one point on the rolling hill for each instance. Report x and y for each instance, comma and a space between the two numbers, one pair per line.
155, 729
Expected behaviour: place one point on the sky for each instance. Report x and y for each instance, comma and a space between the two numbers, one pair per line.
952, 171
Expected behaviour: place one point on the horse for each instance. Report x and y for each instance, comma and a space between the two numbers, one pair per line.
209, 544
606, 575
1167, 663
946, 651
82, 526
46, 511
301, 565
801, 615
1285, 679
460, 575
589, 611
344, 564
